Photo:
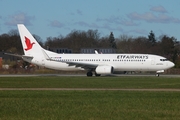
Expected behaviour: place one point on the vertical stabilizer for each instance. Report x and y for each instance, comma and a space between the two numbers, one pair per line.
30, 46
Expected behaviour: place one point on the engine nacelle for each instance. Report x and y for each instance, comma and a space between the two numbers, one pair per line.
104, 70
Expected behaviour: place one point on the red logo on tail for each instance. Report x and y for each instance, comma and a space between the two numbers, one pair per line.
28, 44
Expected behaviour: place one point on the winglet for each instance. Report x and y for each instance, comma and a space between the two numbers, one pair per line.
96, 52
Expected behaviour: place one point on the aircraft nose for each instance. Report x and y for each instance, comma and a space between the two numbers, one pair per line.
171, 64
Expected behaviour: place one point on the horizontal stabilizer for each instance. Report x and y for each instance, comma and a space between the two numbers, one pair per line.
16, 55
20, 56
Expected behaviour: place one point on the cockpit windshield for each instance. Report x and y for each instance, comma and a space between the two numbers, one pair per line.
163, 59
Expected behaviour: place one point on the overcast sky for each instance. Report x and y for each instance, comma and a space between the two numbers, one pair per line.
47, 18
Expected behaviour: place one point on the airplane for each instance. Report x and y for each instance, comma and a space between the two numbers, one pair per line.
99, 64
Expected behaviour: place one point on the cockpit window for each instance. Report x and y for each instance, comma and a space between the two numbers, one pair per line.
163, 59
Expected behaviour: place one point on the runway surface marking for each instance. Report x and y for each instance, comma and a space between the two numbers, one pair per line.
91, 89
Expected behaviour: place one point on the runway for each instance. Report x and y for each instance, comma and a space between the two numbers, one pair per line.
71, 75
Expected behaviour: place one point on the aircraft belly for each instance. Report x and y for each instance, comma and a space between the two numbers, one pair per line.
131, 67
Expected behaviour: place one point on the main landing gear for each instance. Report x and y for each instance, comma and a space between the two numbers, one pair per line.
90, 74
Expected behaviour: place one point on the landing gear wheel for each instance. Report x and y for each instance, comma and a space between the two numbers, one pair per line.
89, 74
157, 74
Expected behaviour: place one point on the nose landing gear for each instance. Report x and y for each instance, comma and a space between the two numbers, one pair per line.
157, 74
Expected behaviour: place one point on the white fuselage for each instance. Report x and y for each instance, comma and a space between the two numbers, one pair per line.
119, 62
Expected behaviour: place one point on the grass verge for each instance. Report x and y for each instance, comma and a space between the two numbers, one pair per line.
89, 105
92, 105
89, 82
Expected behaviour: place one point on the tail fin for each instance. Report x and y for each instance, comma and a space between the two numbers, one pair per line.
30, 46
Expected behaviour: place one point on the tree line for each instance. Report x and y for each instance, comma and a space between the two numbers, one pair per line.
163, 45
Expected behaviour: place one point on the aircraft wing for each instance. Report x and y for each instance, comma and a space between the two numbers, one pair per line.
82, 65
70, 63
86, 66
20, 56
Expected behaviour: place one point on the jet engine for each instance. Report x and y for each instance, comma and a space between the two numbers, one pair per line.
104, 70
